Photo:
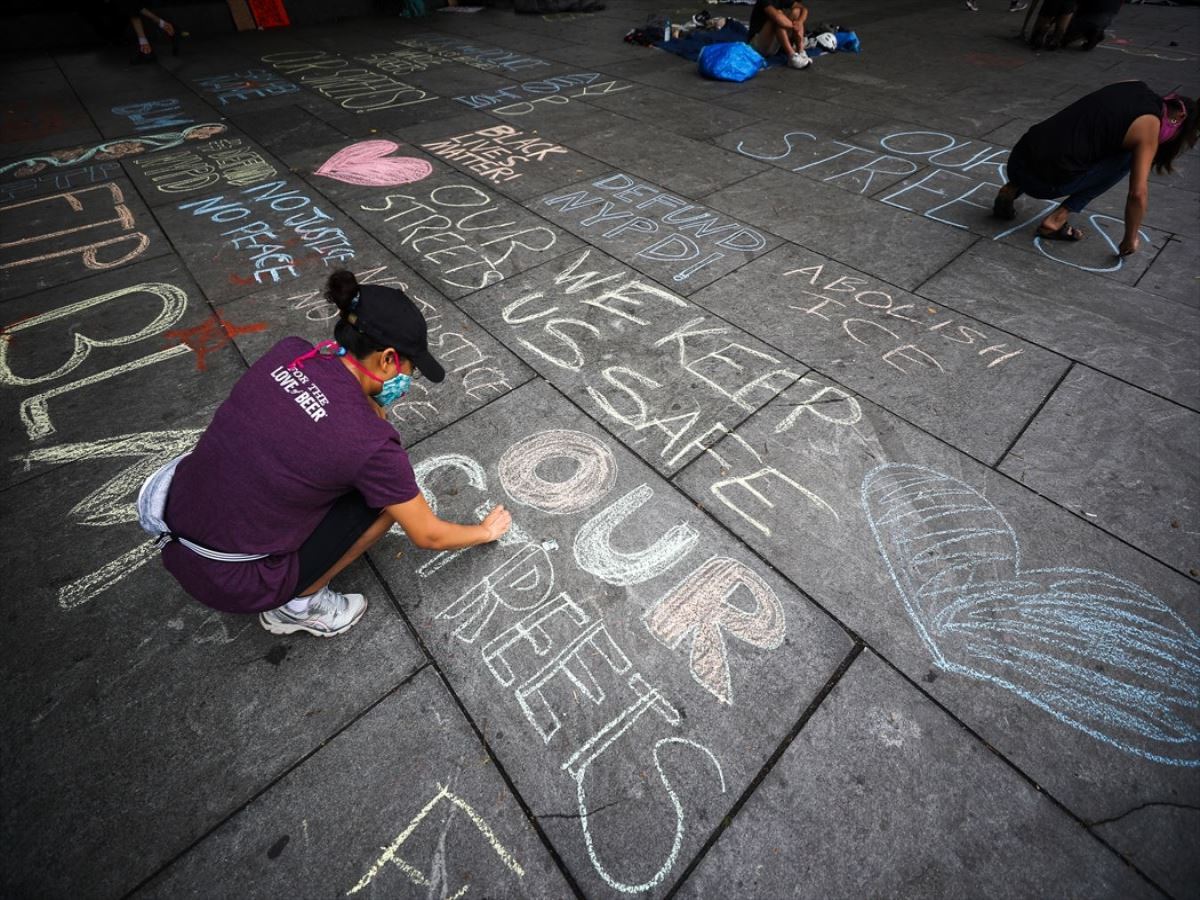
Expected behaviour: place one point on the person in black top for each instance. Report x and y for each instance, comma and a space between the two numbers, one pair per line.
1082, 151
779, 24
1090, 19
1053, 20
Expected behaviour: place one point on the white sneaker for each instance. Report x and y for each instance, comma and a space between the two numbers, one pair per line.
799, 60
328, 613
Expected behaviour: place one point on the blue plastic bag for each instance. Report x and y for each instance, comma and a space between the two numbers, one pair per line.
848, 40
734, 61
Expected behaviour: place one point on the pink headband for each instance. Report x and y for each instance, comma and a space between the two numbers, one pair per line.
1167, 130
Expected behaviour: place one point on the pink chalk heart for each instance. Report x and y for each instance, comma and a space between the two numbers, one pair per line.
367, 163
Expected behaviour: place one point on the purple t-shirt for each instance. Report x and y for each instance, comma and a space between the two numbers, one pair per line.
279, 452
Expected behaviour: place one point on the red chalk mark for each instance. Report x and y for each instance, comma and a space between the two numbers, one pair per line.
239, 280
4, 334
211, 334
995, 61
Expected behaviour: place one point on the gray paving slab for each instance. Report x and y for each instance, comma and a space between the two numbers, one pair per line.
537, 93
244, 86
953, 180
448, 78
43, 121
171, 107
1127, 460
478, 367
962, 117
237, 240
1084, 682
100, 153
95, 75
662, 374
1172, 208
627, 718
409, 798
565, 122
668, 72
124, 349
964, 381
883, 794
348, 83
514, 35
56, 179
842, 162
1175, 273
517, 162
283, 128
682, 244
962, 197
1069, 652
798, 110
229, 162
455, 233
596, 54
352, 171
1127, 333
681, 115
692, 168
58, 236
484, 57
1136, 831
898, 247
137, 719
979, 158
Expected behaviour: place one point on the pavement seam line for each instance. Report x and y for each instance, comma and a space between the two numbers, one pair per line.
241, 807
568, 876
727, 820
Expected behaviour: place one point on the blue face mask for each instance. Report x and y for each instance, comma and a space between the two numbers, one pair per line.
393, 390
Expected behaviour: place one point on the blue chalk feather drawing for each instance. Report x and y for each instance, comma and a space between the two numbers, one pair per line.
1095, 651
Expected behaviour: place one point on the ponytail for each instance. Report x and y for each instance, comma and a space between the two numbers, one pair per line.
342, 291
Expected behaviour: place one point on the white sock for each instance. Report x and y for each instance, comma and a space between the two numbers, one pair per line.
298, 605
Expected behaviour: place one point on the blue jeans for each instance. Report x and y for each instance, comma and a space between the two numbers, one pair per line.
1079, 192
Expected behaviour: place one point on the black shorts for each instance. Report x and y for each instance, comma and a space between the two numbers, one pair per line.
344, 524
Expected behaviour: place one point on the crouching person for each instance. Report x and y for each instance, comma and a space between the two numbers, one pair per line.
1082, 151
300, 472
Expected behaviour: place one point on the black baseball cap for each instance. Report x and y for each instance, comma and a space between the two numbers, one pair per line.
389, 317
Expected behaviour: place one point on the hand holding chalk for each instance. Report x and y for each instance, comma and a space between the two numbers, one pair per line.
497, 522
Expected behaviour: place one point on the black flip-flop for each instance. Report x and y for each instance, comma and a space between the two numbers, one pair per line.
1003, 208
1067, 232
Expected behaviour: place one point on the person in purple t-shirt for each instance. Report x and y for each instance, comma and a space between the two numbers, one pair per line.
301, 470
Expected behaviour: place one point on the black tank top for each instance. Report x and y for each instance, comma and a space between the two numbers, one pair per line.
1091, 129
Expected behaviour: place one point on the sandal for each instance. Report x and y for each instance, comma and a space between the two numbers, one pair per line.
1003, 208
1067, 232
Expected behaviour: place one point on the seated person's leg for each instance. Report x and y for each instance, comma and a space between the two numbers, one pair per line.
766, 42
786, 37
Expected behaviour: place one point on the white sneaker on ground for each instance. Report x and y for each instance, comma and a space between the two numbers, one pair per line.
799, 60
328, 613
